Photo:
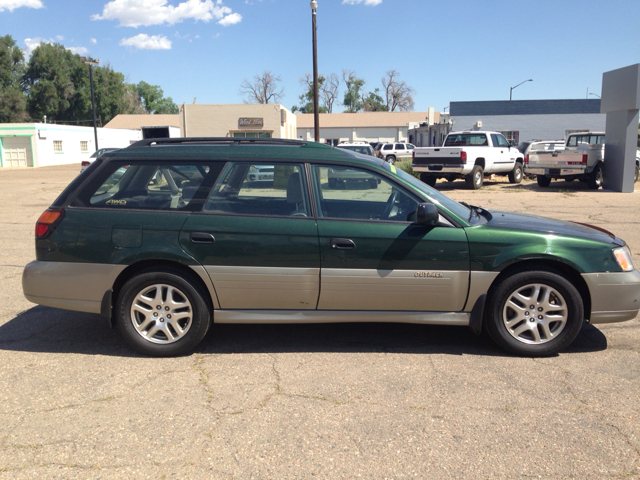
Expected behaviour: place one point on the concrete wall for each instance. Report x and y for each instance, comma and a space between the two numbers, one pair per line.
42, 137
538, 127
356, 134
223, 120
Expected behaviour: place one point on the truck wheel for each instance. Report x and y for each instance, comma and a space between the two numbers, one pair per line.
595, 179
544, 181
430, 180
515, 176
476, 178
534, 313
635, 179
391, 159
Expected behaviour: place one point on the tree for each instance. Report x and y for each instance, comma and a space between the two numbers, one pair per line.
264, 89
329, 91
398, 95
306, 99
153, 99
373, 102
13, 102
352, 96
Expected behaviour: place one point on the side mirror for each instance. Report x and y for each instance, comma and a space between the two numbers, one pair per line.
427, 214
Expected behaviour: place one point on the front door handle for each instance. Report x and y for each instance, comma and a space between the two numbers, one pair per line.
199, 237
343, 244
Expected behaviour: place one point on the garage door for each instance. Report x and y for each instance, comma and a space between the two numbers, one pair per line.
16, 151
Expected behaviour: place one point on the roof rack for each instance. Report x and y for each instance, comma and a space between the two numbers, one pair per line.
217, 141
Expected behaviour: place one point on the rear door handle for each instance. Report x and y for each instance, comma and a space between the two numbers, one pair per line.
343, 244
199, 237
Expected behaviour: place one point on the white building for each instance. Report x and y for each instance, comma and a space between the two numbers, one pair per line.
46, 144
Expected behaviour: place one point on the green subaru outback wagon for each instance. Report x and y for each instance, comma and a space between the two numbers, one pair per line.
168, 236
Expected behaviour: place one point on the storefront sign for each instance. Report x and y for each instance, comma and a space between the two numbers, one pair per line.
251, 122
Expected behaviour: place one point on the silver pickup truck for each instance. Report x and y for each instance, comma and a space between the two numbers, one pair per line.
582, 159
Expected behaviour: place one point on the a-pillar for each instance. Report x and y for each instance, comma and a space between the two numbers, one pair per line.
621, 103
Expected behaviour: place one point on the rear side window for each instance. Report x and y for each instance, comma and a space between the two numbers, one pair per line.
149, 186
399, 146
388, 146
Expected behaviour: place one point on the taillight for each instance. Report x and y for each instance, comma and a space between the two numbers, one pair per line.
413, 156
48, 221
584, 158
463, 157
526, 159
85, 163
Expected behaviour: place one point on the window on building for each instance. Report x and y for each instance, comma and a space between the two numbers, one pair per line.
252, 134
333, 141
57, 146
512, 136
84, 146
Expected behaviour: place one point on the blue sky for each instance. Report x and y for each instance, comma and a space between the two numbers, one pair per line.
447, 50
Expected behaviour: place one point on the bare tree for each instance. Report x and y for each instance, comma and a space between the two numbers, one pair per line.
329, 91
263, 89
398, 95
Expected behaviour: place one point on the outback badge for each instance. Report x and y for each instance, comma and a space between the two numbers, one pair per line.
429, 274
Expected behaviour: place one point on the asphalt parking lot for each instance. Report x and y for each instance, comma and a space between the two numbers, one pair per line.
323, 401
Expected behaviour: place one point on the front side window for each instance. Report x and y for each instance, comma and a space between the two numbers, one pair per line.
260, 189
388, 146
146, 186
358, 194
399, 146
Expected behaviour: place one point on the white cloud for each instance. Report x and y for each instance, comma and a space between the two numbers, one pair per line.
93, 40
146, 42
13, 4
370, 3
135, 13
231, 19
59, 38
78, 50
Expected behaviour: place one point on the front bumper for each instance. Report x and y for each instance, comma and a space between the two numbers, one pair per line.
615, 297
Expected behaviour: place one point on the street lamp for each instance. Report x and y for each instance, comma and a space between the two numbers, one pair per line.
316, 112
510, 91
91, 63
595, 95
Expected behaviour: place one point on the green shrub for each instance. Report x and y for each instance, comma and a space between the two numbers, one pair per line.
405, 165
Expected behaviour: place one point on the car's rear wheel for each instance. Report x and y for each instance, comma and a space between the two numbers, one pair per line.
391, 159
373, 183
595, 178
515, 175
162, 313
635, 178
544, 181
475, 179
534, 313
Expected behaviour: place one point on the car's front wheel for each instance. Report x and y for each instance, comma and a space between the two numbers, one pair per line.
162, 313
534, 313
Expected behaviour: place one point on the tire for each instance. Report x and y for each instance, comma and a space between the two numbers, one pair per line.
595, 178
549, 327
515, 175
333, 184
543, 181
391, 159
475, 179
429, 180
635, 179
144, 308
373, 183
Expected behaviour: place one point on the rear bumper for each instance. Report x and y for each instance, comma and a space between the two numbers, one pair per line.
554, 171
68, 285
615, 297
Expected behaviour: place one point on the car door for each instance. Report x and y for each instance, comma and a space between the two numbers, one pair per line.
256, 238
503, 157
373, 257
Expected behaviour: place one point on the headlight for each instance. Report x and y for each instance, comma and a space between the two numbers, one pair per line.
623, 257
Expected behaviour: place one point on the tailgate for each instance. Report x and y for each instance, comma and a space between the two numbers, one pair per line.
558, 159
437, 156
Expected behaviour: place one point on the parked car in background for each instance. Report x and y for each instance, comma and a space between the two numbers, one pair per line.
392, 152
164, 261
526, 147
469, 155
85, 163
359, 147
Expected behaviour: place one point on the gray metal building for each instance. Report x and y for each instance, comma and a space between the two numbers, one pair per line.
522, 120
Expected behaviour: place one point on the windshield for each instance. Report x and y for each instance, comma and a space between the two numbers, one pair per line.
432, 193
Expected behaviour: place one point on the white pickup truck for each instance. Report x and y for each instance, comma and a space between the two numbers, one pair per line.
581, 159
469, 155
